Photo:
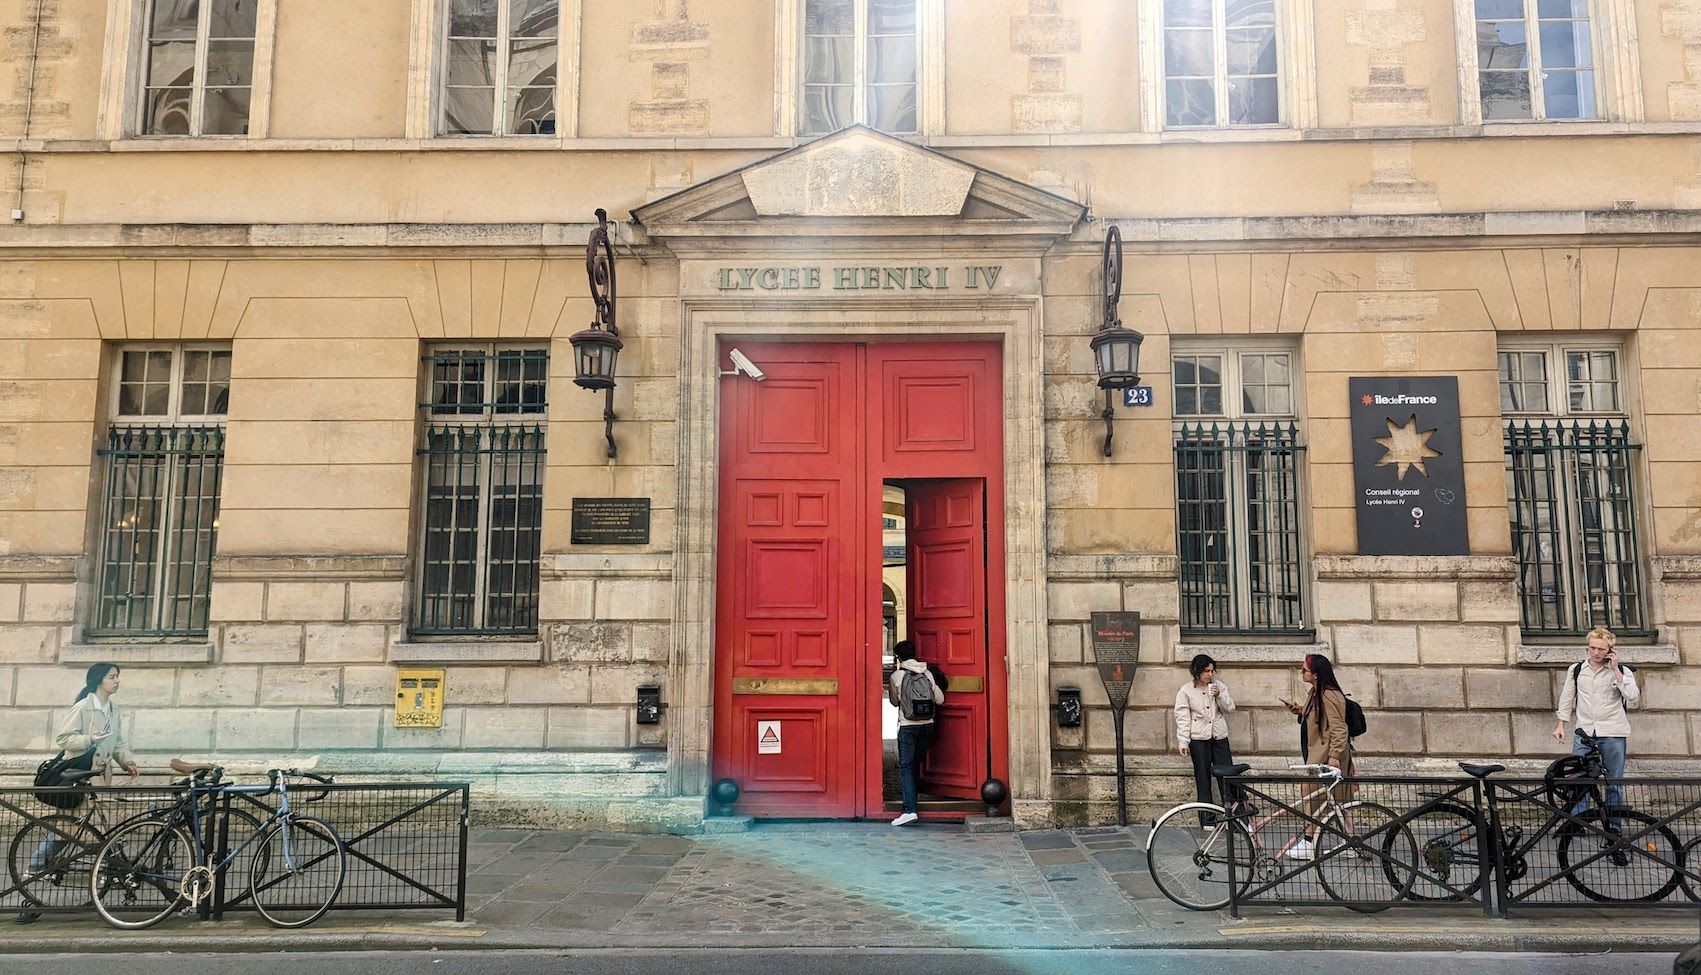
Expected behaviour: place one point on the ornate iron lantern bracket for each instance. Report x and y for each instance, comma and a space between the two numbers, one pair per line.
596, 349
1116, 350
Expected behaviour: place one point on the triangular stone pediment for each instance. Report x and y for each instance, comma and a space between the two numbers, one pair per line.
855, 177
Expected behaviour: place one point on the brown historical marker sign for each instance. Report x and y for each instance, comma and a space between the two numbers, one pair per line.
1116, 647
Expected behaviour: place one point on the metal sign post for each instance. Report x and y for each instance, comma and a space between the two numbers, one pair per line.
1116, 648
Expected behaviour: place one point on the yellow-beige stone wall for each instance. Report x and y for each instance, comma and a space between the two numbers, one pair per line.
329, 248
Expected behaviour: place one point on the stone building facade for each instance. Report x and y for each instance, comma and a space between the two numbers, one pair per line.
356, 232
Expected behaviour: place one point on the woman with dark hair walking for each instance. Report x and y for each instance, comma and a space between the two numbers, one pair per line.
94, 722
1323, 737
1201, 731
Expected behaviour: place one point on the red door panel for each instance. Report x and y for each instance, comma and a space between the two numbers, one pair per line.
947, 587
803, 455
788, 604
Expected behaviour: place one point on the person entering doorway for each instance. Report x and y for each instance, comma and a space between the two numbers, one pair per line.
917, 696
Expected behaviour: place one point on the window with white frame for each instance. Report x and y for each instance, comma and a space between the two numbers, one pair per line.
500, 60
483, 463
198, 67
1535, 59
860, 64
1570, 487
1220, 63
162, 467
1239, 530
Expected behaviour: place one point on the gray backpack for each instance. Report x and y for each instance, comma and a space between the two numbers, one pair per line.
915, 696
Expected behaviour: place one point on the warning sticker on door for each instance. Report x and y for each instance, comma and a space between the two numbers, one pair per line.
767, 737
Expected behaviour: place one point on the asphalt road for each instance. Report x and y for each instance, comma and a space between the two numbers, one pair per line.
817, 961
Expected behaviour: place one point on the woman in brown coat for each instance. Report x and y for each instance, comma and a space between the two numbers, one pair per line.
1323, 734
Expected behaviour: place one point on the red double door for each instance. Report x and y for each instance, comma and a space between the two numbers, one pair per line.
798, 630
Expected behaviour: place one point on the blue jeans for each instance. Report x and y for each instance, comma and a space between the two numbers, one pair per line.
1612, 757
913, 742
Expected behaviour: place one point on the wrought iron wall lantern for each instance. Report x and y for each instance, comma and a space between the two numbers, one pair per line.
1116, 350
596, 348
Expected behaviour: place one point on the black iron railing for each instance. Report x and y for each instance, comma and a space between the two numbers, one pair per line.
1498, 844
406, 843
1571, 495
1238, 528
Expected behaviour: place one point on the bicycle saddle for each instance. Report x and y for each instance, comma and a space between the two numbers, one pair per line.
1224, 771
74, 775
1480, 771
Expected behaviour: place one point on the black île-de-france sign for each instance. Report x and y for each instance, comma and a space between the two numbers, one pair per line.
611, 521
1116, 648
1408, 468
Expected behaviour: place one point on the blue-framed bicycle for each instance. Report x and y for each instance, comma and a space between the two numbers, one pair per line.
148, 869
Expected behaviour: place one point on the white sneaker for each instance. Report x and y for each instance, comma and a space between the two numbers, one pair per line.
1300, 851
905, 819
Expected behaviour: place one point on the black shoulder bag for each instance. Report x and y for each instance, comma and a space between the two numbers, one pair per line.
50, 773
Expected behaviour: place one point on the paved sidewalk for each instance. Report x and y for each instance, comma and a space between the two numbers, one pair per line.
851, 885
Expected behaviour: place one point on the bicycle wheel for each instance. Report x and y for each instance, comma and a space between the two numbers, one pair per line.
243, 827
1605, 869
1449, 860
137, 877
1191, 865
49, 861
1690, 852
1364, 869
298, 872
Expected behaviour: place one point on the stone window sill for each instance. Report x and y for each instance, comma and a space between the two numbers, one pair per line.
467, 652
1636, 655
1282, 654
137, 653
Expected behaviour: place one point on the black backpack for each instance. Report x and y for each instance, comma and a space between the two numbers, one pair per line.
915, 696
1356, 724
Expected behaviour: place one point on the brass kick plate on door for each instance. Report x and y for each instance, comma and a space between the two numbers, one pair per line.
786, 685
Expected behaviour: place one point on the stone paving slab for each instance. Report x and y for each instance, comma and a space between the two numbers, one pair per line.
851, 884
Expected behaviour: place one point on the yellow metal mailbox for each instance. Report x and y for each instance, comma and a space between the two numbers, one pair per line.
419, 698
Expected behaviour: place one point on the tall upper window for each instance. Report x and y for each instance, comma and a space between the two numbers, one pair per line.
1220, 63
483, 452
199, 71
499, 72
163, 464
1570, 488
1552, 78
1237, 479
860, 64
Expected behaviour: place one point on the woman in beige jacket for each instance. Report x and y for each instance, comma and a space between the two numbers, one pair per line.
1201, 731
1323, 734
95, 722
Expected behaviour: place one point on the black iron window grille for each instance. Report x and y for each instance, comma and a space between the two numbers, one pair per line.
1239, 529
483, 457
159, 528
1572, 502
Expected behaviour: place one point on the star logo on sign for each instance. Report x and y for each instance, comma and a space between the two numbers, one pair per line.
1365, 399
1406, 447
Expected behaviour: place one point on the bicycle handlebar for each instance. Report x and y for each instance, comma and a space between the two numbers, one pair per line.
1325, 770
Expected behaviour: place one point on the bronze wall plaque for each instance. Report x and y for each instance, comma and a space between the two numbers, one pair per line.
1116, 648
611, 521
785, 685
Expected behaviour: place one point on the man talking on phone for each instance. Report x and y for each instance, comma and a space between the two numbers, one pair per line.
1598, 690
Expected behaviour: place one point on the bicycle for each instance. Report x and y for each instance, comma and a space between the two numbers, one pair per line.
48, 860
1192, 867
1450, 860
148, 869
